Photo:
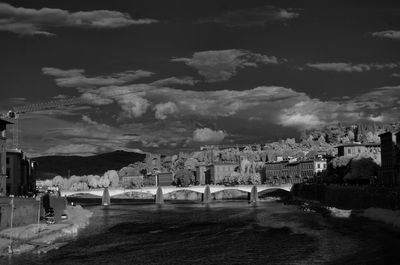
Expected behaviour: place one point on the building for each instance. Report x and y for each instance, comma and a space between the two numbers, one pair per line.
20, 174
293, 171
217, 171
201, 174
3, 155
354, 149
390, 159
165, 179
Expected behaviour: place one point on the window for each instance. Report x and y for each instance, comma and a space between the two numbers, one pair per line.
8, 172
8, 160
349, 151
318, 165
359, 150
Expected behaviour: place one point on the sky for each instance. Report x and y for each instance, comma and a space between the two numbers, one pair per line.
173, 75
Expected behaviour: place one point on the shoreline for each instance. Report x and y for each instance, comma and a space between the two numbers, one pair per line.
45, 237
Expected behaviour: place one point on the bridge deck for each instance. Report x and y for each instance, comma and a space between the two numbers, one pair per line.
168, 189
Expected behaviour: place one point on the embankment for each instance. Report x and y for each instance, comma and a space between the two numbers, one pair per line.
33, 236
349, 197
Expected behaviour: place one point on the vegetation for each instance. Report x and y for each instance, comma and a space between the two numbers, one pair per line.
183, 177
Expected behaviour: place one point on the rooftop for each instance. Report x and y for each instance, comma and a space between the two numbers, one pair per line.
358, 144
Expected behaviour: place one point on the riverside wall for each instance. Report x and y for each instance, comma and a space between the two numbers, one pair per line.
349, 197
25, 211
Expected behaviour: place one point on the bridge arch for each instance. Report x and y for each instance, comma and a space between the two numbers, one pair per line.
169, 189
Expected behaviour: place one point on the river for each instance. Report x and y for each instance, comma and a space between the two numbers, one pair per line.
230, 232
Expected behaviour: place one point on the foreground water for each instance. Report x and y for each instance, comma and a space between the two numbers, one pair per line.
222, 233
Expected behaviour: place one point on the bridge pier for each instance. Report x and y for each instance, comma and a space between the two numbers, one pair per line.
206, 196
159, 196
253, 194
106, 200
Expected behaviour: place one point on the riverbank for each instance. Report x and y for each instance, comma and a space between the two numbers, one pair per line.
378, 204
349, 197
34, 237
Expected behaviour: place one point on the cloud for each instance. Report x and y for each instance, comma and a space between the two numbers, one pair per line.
395, 75
175, 111
164, 109
133, 106
221, 65
349, 67
271, 104
387, 34
379, 105
73, 149
175, 81
29, 21
211, 104
76, 77
252, 17
206, 135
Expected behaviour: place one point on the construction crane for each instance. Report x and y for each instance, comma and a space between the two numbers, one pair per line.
15, 112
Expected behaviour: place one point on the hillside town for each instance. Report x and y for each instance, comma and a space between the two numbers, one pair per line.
352, 155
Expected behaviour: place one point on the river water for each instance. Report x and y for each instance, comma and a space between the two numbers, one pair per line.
222, 233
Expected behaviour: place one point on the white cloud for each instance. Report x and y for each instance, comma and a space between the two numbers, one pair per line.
259, 16
175, 81
349, 67
270, 104
29, 21
208, 135
76, 77
221, 65
387, 34
73, 149
133, 106
164, 109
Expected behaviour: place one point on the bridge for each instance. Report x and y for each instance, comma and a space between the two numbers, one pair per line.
168, 189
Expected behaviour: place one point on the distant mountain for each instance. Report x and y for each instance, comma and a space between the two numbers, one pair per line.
50, 166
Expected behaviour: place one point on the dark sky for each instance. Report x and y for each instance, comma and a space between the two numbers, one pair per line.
164, 76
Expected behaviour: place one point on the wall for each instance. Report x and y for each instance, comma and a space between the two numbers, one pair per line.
349, 197
25, 211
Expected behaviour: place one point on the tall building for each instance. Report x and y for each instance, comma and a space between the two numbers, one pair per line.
20, 174
390, 158
3, 154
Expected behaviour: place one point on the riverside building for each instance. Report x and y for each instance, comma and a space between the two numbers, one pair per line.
390, 159
294, 171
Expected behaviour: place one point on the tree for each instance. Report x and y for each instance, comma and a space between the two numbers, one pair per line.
112, 175
184, 176
191, 163
362, 168
350, 135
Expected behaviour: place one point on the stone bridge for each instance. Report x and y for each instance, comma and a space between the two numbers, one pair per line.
168, 189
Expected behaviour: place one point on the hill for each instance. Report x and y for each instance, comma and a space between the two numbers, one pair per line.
50, 166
